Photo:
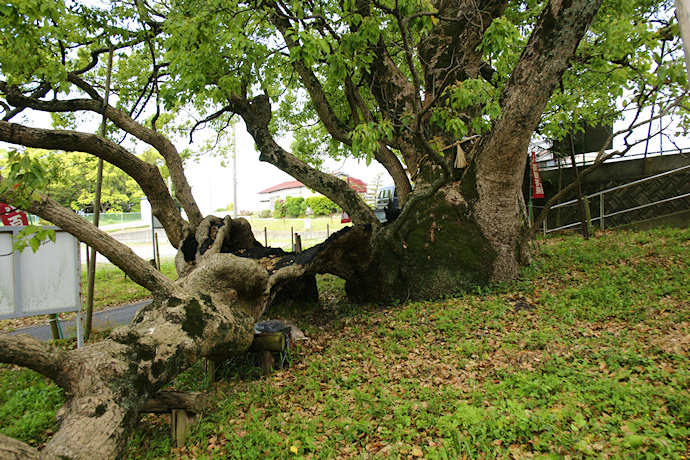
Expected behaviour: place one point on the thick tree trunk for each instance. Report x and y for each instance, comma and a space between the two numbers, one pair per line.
439, 249
500, 163
210, 312
108, 383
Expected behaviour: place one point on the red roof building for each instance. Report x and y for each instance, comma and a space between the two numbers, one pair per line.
295, 188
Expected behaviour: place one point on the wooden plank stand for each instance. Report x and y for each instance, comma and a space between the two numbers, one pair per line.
184, 408
264, 345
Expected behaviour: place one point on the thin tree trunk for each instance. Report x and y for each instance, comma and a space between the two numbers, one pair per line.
580, 205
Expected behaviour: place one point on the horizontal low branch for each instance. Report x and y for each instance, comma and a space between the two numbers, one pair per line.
12, 449
119, 254
24, 350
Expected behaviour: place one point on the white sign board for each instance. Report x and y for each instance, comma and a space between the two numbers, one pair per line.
41, 283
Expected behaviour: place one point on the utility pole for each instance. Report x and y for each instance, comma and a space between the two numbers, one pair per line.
91, 269
234, 171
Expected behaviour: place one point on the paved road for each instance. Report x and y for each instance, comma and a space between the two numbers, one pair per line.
101, 320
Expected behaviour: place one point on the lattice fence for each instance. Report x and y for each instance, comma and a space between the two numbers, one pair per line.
652, 191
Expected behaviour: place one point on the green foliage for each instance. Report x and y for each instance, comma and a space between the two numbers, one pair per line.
366, 136
470, 105
228, 207
279, 209
69, 178
501, 35
24, 178
320, 205
32, 236
212, 50
30, 29
628, 55
28, 404
293, 206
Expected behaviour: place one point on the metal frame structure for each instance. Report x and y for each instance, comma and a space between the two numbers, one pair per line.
20, 309
602, 215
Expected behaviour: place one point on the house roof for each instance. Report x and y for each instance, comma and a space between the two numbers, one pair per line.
358, 185
283, 186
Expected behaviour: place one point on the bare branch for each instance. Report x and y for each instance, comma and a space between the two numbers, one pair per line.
40, 92
411, 67
211, 117
257, 115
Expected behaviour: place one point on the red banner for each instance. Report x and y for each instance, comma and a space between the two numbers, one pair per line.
11, 216
537, 187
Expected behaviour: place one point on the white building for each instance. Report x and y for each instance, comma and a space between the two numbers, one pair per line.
293, 188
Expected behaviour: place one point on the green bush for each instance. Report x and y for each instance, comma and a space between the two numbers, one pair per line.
293, 206
279, 209
320, 205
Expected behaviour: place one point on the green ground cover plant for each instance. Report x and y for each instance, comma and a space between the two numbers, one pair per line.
586, 356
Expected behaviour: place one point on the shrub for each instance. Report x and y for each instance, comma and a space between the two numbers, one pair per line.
320, 205
293, 206
280, 209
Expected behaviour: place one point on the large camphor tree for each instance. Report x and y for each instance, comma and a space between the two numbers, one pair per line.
446, 95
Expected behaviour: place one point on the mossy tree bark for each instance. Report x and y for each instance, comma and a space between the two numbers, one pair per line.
209, 312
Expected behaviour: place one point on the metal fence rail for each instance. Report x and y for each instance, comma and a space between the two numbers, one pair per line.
602, 208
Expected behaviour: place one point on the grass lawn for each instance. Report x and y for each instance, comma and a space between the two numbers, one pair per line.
318, 224
586, 356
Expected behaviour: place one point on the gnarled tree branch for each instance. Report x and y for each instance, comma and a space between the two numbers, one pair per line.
257, 115
34, 354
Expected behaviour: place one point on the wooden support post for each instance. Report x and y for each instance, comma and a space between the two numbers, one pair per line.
266, 362
181, 424
298, 243
270, 341
578, 190
165, 401
211, 368
265, 344
183, 407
